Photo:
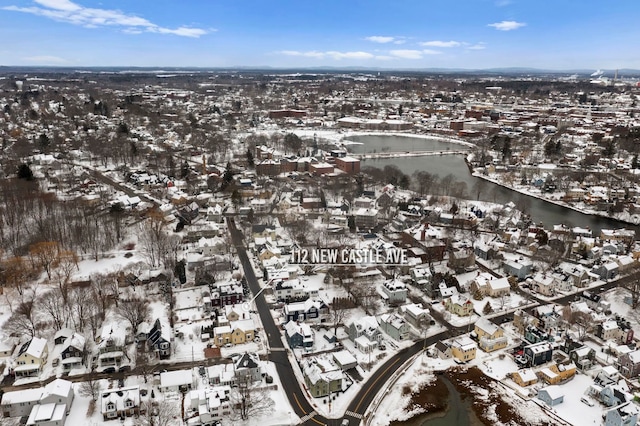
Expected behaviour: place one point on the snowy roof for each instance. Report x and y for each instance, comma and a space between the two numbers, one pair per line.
59, 387
20, 396
527, 375
293, 327
487, 326
36, 347
175, 378
344, 357
464, 343
553, 391
53, 413
244, 325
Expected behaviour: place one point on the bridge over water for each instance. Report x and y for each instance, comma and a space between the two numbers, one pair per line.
407, 154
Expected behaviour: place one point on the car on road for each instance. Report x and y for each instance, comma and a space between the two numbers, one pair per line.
228, 345
345, 422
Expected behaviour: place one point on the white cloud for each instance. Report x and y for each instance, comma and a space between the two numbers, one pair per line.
477, 46
507, 25
380, 39
406, 53
439, 43
72, 13
329, 54
45, 59
431, 52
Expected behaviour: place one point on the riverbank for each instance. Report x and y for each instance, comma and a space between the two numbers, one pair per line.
627, 219
485, 400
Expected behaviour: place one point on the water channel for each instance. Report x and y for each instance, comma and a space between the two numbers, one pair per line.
541, 211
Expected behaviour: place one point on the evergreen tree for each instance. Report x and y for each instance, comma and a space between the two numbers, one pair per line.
250, 157
24, 172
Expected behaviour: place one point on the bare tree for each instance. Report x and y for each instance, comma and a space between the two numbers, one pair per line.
65, 264
79, 301
135, 311
23, 321
152, 238
44, 255
52, 305
90, 389
339, 308
249, 399
159, 414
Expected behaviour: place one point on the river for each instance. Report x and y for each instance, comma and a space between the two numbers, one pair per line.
540, 211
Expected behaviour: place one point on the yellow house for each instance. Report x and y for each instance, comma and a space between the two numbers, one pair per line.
490, 336
242, 331
555, 374
31, 358
464, 349
459, 305
524, 377
222, 335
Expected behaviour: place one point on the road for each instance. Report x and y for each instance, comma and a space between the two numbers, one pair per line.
278, 353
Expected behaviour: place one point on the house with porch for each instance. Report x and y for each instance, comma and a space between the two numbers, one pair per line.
31, 358
120, 403
490, 336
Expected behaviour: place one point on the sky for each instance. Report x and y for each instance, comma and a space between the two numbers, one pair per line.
390, 34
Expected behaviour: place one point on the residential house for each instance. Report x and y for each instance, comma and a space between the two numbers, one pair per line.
110, 348
241, 331
345, 360
47, 415
421, 277
524, 377
31, 358
416, 315
293, 290
461, 259
463, 349
62, 335
366, 218
73, 352
394, 292
159, 339
120, 403
221, 375
212, 405
365, 326
299, 335
491, 286
629, 364
442, 350
395, 326
226, 294
538, 353
20, 403
583, 357
556, 374
607, 270
623, 415
177, 381
248, 367
459, 305
544, 284
364, 333
551, 395
518, 268
322, 376
490, 336
307, 310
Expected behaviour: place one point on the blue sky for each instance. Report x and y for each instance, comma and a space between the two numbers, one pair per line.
559, 34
